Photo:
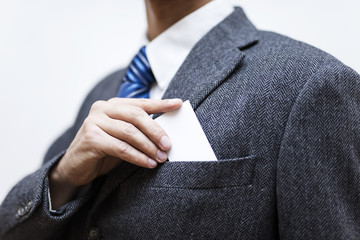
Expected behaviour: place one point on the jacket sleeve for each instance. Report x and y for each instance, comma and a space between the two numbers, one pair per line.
24, 214
318, 171
25, 211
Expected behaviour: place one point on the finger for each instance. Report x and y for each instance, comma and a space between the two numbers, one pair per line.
120, 149
151, 106
140, 119
132, 135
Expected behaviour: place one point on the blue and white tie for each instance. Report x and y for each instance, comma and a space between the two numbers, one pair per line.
138, 78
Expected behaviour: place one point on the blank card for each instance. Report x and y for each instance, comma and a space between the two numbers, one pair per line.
189, 142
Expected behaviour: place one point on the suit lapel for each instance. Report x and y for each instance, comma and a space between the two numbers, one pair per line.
208, 65
213, 59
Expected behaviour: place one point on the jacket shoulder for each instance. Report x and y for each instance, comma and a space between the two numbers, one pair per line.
287, 63
287, 50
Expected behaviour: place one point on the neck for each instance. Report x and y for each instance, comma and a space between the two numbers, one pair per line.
161, 14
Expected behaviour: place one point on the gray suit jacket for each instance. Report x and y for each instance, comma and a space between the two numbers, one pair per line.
283, 119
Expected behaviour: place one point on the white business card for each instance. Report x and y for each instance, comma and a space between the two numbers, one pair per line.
189, 142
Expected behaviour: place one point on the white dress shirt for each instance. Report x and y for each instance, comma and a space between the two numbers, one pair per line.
167, 52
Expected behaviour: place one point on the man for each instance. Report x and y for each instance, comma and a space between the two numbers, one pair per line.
282, 118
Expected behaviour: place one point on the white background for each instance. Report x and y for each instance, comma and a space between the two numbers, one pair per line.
53, 52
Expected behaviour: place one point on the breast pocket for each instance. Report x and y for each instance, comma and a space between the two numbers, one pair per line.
187, 200
223, 173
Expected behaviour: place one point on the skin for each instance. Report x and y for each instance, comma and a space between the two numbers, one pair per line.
120, 129
161, 14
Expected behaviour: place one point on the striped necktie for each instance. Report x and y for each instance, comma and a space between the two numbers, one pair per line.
138, 78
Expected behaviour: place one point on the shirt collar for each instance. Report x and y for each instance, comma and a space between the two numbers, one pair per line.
168, 51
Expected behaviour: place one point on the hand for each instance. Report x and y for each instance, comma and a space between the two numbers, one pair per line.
116, 130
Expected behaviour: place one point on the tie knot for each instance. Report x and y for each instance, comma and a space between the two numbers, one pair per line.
138, 78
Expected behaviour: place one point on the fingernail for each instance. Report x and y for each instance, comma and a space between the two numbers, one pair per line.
165, 142
152, 163
162, 156
175, 101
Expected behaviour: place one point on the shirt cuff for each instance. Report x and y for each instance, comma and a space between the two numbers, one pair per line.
61, 210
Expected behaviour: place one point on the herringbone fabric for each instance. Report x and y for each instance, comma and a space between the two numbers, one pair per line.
282, 117
138, 78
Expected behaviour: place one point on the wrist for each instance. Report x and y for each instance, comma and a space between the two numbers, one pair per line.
61, 190
58, 176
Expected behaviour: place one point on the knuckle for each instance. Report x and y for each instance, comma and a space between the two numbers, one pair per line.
90, 131
113, 100
97, 105
87, 125
147, 104
87, 122
136, 112
90, 137
144, 101
129, 129
123, 148
157, 132
150, 147
140, 159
